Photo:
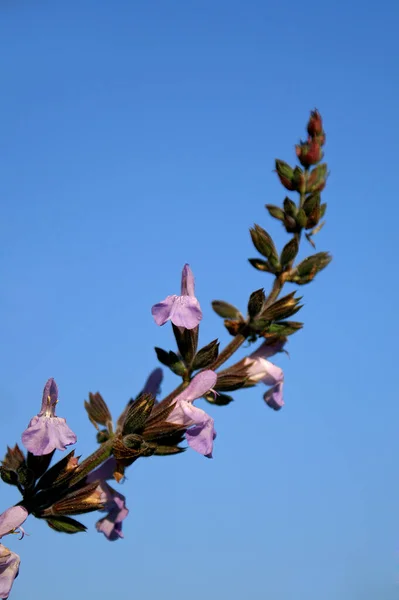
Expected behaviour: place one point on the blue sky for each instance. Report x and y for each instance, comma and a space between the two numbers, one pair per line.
137, 136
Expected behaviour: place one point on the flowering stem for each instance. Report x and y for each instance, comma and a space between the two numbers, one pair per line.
92, 461
168, 399
275, 291
235, 343
240, 338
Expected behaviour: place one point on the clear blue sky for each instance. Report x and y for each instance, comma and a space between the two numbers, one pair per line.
135, 137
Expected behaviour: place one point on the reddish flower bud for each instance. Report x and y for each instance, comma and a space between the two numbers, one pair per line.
315, 125
309, 153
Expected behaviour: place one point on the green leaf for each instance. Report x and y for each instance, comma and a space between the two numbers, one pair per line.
261, 265
171, 360
162, 356
275, 211
264, 244
309, 267
226, 310
65, 524
284, 328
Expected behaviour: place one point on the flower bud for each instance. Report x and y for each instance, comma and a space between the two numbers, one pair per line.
285, 174
309, 153
299, 180
315, 124
317, 179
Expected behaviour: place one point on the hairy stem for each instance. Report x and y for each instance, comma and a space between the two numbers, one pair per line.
92, 461
168, 399
235, 343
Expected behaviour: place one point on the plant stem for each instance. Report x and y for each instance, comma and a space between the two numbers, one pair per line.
92, 461
275, 291
235, 343
172, 395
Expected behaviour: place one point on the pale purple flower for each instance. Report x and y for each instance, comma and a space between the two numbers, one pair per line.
274, 396
9, 568
201, 433
266, 350
104, 472
46, 432
111, 525
184, 310
260, 369
10, 521
153, 383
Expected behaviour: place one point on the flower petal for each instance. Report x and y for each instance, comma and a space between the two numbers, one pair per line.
162, 311
266, 349
259, 369
44, 434
274, 396
153, 383
201, 435
50, 391
187, 281
11, 519
111, 525
9, 567
186, 312
111, 530
104, 472
200, 385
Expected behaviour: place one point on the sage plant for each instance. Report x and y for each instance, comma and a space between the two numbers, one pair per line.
57, 493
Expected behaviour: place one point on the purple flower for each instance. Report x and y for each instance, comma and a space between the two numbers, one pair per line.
10, 521
260, 369
46, 432
153, 383
104, 472
200, 434
274, 396
266, 350
111, 525
184, 310
9, 568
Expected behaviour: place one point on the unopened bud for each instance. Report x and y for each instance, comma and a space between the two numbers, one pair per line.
309, 153
315, 124
285, 174
317, 179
